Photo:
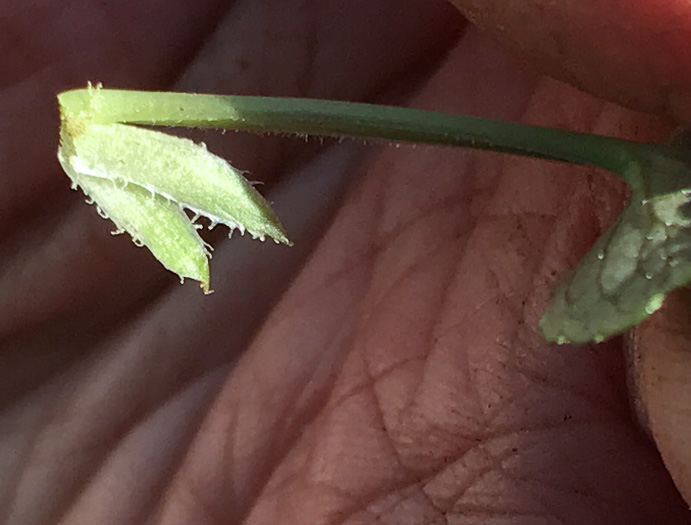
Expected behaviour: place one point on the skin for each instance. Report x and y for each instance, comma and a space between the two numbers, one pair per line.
650, 44
385, 368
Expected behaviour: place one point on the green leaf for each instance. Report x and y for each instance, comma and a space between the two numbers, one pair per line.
627, 274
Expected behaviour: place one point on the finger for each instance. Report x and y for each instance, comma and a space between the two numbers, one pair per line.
633, 53
661, 363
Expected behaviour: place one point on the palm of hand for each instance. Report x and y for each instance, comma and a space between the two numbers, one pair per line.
385, 367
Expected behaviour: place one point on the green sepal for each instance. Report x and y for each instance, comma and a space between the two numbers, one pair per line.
178, 169
144, 180
153, 221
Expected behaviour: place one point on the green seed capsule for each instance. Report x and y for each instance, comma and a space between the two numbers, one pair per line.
144, 180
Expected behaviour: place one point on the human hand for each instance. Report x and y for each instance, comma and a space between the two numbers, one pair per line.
387, 366
634, 55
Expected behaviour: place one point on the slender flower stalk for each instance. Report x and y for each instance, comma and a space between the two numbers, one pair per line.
134, 174
328, 118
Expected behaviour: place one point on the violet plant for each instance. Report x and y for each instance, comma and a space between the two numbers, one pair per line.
144, 180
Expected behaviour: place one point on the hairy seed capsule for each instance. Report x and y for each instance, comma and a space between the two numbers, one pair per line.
144, 180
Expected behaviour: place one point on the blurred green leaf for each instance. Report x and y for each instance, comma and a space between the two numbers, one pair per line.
643, 256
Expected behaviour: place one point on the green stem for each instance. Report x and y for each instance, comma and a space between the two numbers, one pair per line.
346, 119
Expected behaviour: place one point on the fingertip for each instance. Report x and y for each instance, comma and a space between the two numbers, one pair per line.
660, 360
